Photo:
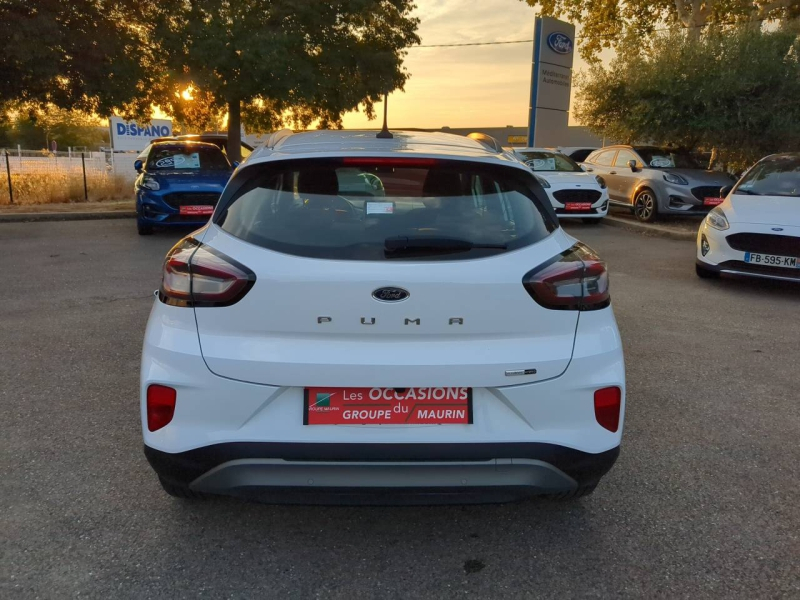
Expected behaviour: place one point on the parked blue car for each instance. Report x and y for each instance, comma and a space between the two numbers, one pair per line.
179, 183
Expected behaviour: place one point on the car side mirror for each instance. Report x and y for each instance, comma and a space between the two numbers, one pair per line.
632, 165
137, 164
725, 190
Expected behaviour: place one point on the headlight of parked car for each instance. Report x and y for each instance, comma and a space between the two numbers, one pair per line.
716, 218
674, 178
600, 181
150, 183
542, 181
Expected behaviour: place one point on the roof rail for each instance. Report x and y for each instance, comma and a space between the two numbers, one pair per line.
277, 137
487, 140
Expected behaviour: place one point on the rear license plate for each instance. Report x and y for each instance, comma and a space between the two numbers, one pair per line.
579, 206
387, 406
771, 260
197, 209
713, 201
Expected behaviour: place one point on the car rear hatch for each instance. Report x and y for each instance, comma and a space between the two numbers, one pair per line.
309, 322
453, 239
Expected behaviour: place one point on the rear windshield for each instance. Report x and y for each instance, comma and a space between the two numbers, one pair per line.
386, 209
178, 158
548, 161
775, 176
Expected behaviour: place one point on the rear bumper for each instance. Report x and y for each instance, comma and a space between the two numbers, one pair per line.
383, 473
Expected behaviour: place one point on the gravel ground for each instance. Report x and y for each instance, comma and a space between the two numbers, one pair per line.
701, 504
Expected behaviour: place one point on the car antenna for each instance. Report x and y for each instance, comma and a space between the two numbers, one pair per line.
384, 133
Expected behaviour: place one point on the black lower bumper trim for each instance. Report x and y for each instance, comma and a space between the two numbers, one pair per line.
184, 467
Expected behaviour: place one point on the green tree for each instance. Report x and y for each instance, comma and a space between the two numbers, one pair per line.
271, 62
735, 91
89, 55
36, 127
609, 23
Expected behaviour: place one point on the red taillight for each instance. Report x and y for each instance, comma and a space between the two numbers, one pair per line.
160, 406
196, 275
607, 405
387, 161
578, 280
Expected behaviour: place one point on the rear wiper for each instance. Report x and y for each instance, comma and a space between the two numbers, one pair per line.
442, 244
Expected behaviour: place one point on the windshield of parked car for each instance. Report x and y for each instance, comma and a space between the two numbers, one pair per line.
663, 158
548, 161
776, 176
187, 157
386, 209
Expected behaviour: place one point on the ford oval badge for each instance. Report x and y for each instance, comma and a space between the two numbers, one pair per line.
390, 294
560, 43
777, 229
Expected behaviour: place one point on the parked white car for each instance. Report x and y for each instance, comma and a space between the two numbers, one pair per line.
440, 337
756, 231
573, 193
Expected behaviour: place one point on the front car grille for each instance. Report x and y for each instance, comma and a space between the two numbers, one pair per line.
178, 199
765, 243
565, 196
706, 191
767, 271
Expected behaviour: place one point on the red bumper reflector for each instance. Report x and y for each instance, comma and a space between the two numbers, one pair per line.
607, 405
160, 406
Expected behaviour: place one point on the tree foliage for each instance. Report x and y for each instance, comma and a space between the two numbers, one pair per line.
279, 60
609, 23
76, 54
736, 91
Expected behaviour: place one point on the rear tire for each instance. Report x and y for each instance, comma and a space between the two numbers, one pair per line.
143, 229
592, 221
181, 491
704, 273
645, 206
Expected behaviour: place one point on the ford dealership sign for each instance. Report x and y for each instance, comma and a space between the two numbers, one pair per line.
560, 43
127, 135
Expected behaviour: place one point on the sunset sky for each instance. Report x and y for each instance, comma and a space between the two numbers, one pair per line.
482, 86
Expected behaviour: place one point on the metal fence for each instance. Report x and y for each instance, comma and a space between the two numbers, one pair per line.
40, 177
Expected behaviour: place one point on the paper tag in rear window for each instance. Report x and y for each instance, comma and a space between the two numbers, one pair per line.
380, 208
387, 406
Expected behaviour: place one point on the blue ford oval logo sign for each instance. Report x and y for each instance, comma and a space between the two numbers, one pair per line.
777, 229
560, 43
390, 294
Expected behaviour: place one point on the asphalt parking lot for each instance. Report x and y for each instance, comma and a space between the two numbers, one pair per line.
702, 503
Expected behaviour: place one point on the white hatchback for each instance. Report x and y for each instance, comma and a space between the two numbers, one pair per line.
755, 232
573, 193
390, 320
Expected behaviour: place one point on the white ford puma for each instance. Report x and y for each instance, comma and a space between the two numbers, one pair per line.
384, 320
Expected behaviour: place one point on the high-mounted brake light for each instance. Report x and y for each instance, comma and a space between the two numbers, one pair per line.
576, 280
388, 161
197, 275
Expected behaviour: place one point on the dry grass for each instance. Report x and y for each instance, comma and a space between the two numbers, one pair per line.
60, 187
